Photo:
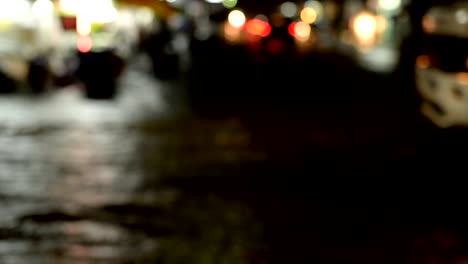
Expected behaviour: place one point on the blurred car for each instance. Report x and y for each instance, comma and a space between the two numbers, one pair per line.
27, 32
442, 67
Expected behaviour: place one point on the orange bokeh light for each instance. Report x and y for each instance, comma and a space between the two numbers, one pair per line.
258, 27
423, 61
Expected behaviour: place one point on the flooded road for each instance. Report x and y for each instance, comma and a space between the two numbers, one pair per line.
63, 160
145, 179
79, 179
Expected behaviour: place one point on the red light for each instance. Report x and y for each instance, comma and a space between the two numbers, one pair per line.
292, 29
258, 27
84, 44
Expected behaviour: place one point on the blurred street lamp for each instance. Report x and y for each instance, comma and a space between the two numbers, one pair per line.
309, 15
236, 18
364, 26
288, 9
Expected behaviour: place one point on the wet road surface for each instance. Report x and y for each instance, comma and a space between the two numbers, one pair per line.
145, 178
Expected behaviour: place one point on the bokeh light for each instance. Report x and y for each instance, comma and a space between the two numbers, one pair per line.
309, 15
288, 9
317, 6
231, 34
236, 18
16, 10
84, 44
291, 29
83, 26
462, 78
229, 3
365, 28
423, 61
429, 24
390, 5
258, 27
68, 6
43, 7
302, 30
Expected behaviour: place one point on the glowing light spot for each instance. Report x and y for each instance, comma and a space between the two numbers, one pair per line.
258, 27
317, 6
382, 24
288, 9
302, 30
291, 29
231, 33
229, 3
461, 16
43, 7
423, 61
236, 18
364, 26
462, 78
390, 5
83, 26
84, 44
69, 6
429, 24
309, 15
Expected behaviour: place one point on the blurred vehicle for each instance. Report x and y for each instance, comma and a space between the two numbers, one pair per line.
28, 31
442, 67
98, 36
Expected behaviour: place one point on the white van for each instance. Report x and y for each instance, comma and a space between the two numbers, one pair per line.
442, 68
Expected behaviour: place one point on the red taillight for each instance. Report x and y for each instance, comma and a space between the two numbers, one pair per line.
292, 29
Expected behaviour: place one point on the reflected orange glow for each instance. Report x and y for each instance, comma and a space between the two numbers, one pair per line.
231, 33
84, 44
429, 24
381, 24
462, 78
423, 61
258, 27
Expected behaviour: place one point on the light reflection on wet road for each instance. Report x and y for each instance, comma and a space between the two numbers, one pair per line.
78, 178
62, 159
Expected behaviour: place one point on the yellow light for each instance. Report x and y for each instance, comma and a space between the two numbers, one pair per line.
83, 26
309, 15
69, 6
302, 30
95, 11
381, 24
43, 7
365, 28
236, 18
